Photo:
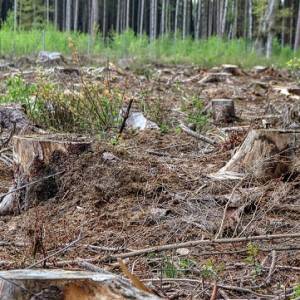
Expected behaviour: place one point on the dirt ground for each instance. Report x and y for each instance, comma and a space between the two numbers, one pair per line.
156, 189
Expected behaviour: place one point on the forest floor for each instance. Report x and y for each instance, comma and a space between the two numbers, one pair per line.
156, 189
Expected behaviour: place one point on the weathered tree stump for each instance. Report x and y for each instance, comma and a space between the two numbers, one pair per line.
66, 285
223, 111
232, 69
265, 154
36, 158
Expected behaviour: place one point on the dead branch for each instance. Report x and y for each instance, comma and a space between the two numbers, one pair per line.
126, 116
29, 184
198, 135
206, 242
272, 267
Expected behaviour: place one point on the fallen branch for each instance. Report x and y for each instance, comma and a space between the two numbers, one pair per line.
198, 135
205, 243
272, 267
29, 184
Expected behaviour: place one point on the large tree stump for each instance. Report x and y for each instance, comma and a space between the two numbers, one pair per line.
67, 285
223, 111
36, 158
265, 154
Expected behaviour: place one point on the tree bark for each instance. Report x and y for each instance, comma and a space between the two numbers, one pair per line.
94, 16
142, 16
297, 36
163, 18
68, 15
76, 12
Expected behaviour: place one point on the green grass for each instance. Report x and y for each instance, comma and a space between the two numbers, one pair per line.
206, 53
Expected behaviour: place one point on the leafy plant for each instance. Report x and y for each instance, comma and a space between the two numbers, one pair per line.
169, 268
210, 270
296, 294
252, 258
195, 115
18, 91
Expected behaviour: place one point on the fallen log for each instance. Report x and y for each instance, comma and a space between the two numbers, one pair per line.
36, 159
67, 285
264, 154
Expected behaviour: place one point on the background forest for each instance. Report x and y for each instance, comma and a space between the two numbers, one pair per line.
227, 28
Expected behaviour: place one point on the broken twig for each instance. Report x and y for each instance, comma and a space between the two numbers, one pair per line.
198, 135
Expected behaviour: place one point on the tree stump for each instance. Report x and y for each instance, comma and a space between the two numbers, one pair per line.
37, 158
232, 69
67, 285
223, 111
265, 154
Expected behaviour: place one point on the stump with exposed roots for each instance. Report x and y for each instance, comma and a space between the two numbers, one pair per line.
265, 154
36, 159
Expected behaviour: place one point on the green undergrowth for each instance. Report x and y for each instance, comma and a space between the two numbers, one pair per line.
93, 108
206, 53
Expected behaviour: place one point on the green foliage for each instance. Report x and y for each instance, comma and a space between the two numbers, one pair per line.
174, 269
206, 53
210, 270
296, 292
252, 257
18, 91
93, 108
194, 109
169, 268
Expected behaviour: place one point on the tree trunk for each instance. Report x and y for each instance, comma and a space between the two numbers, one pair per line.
15, 15
163, 18
68, 15
95, 16
152, 20
60, 284
297, 37
127, 14
250, 23
184, 27
224, 17
76, 11
198, 20
118, 16
56, 14
142, 16
104, 18
176, 18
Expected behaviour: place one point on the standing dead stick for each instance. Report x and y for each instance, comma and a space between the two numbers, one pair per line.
126, 117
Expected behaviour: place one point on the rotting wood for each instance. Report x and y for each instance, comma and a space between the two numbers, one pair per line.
264, 154
67, 285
